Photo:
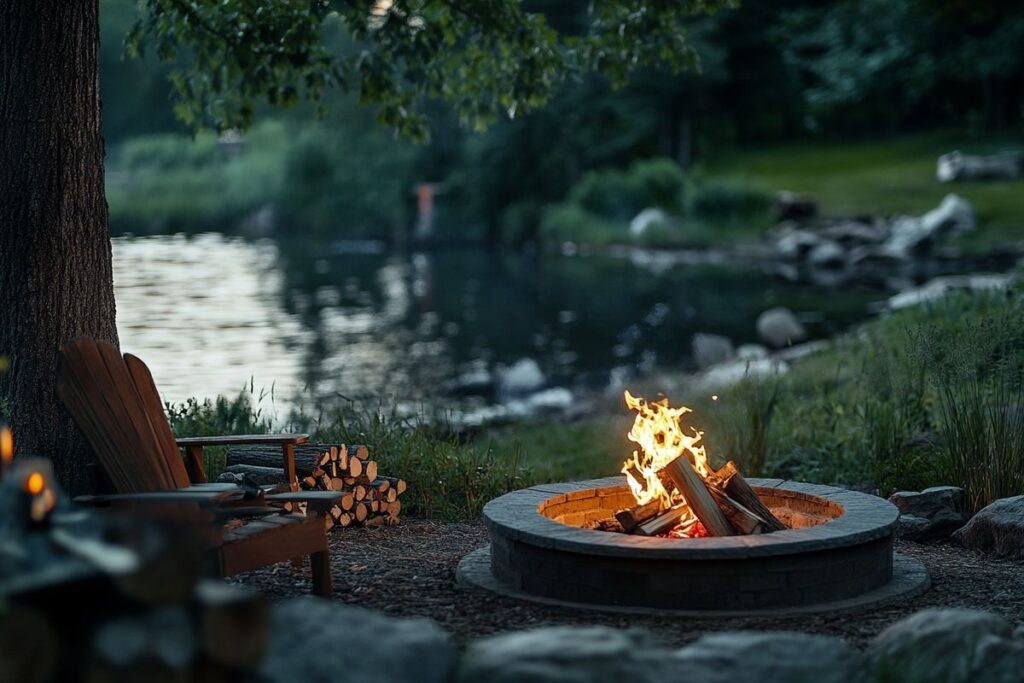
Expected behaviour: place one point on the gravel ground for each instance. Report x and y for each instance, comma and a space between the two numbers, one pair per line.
410, 570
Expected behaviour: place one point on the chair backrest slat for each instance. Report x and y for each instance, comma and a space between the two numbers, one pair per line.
154, 409
100, 391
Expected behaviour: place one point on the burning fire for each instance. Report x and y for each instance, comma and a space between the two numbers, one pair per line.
659, 432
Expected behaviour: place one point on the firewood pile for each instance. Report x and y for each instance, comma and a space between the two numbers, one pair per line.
91, 596
723, 504
369, 498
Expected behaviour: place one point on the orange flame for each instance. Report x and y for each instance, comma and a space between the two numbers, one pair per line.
661, 436
35, 483
6, 445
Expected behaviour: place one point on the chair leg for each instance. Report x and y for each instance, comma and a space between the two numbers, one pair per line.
320, 562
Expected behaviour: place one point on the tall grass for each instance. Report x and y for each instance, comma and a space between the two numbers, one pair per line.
448, 477
983, 425
979, 381
739, 426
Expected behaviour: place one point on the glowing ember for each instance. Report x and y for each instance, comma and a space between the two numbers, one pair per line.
693, 529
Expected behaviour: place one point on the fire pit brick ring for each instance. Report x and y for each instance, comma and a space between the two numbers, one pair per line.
837, 555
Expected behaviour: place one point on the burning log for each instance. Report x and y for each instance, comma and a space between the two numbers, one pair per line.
629, 518
695, 490
733, 483
661, 523
743, 521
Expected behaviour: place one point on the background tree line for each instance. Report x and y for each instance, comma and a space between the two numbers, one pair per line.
772, 72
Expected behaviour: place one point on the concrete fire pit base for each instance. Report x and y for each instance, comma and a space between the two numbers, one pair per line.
837, 556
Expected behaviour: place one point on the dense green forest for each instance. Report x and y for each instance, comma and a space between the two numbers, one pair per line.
931, 75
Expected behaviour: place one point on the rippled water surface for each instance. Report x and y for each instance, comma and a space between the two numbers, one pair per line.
210, 314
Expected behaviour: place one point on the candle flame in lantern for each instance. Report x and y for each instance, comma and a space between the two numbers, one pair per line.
662, 438
35, 483
6, 445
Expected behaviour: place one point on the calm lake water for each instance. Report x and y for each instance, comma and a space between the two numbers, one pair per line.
315, 325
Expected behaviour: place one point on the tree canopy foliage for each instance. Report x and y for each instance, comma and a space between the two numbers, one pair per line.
484, 56
769, 71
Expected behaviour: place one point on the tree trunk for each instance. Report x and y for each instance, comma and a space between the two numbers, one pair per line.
56, 280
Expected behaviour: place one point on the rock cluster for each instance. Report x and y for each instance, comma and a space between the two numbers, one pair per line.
833, 251
931, 514
998, 528
951, 645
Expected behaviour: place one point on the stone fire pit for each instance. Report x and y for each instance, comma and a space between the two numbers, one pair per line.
838, 554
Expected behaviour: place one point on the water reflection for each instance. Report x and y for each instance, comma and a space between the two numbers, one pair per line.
210, 313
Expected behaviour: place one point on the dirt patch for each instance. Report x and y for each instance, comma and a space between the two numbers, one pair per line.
409, 570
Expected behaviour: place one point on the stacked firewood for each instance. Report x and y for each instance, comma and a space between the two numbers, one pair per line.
723, 504
369, 499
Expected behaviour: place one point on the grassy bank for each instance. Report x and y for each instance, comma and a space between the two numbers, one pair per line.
326, 185
927, 396
883, 177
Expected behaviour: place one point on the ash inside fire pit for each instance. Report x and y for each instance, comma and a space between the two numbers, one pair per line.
836, 555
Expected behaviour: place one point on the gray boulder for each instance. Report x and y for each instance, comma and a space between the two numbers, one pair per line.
855, 233
751, 352
911, 528
567, 654
711, 349
1003, 660
647, 219
958, 166
942, 507
827, 255
794, 244
998, 528
522, 377
936, 645
315, 641
940, 287
954, 216
790, 206
770, 658
730, 374
778, 327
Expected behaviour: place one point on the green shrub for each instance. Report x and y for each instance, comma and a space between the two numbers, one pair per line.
168, 152
659, 182
569, 222
447, 478
616, 194
724, 201
521, 220
216, 417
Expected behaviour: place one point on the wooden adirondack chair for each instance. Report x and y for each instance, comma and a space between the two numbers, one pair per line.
114, 401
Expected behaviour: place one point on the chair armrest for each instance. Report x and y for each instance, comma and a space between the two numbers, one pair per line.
243, 439
193, 446
191, 494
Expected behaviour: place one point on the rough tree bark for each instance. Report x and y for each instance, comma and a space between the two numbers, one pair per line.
56, 279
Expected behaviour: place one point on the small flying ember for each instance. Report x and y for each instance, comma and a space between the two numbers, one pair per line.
677, 493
